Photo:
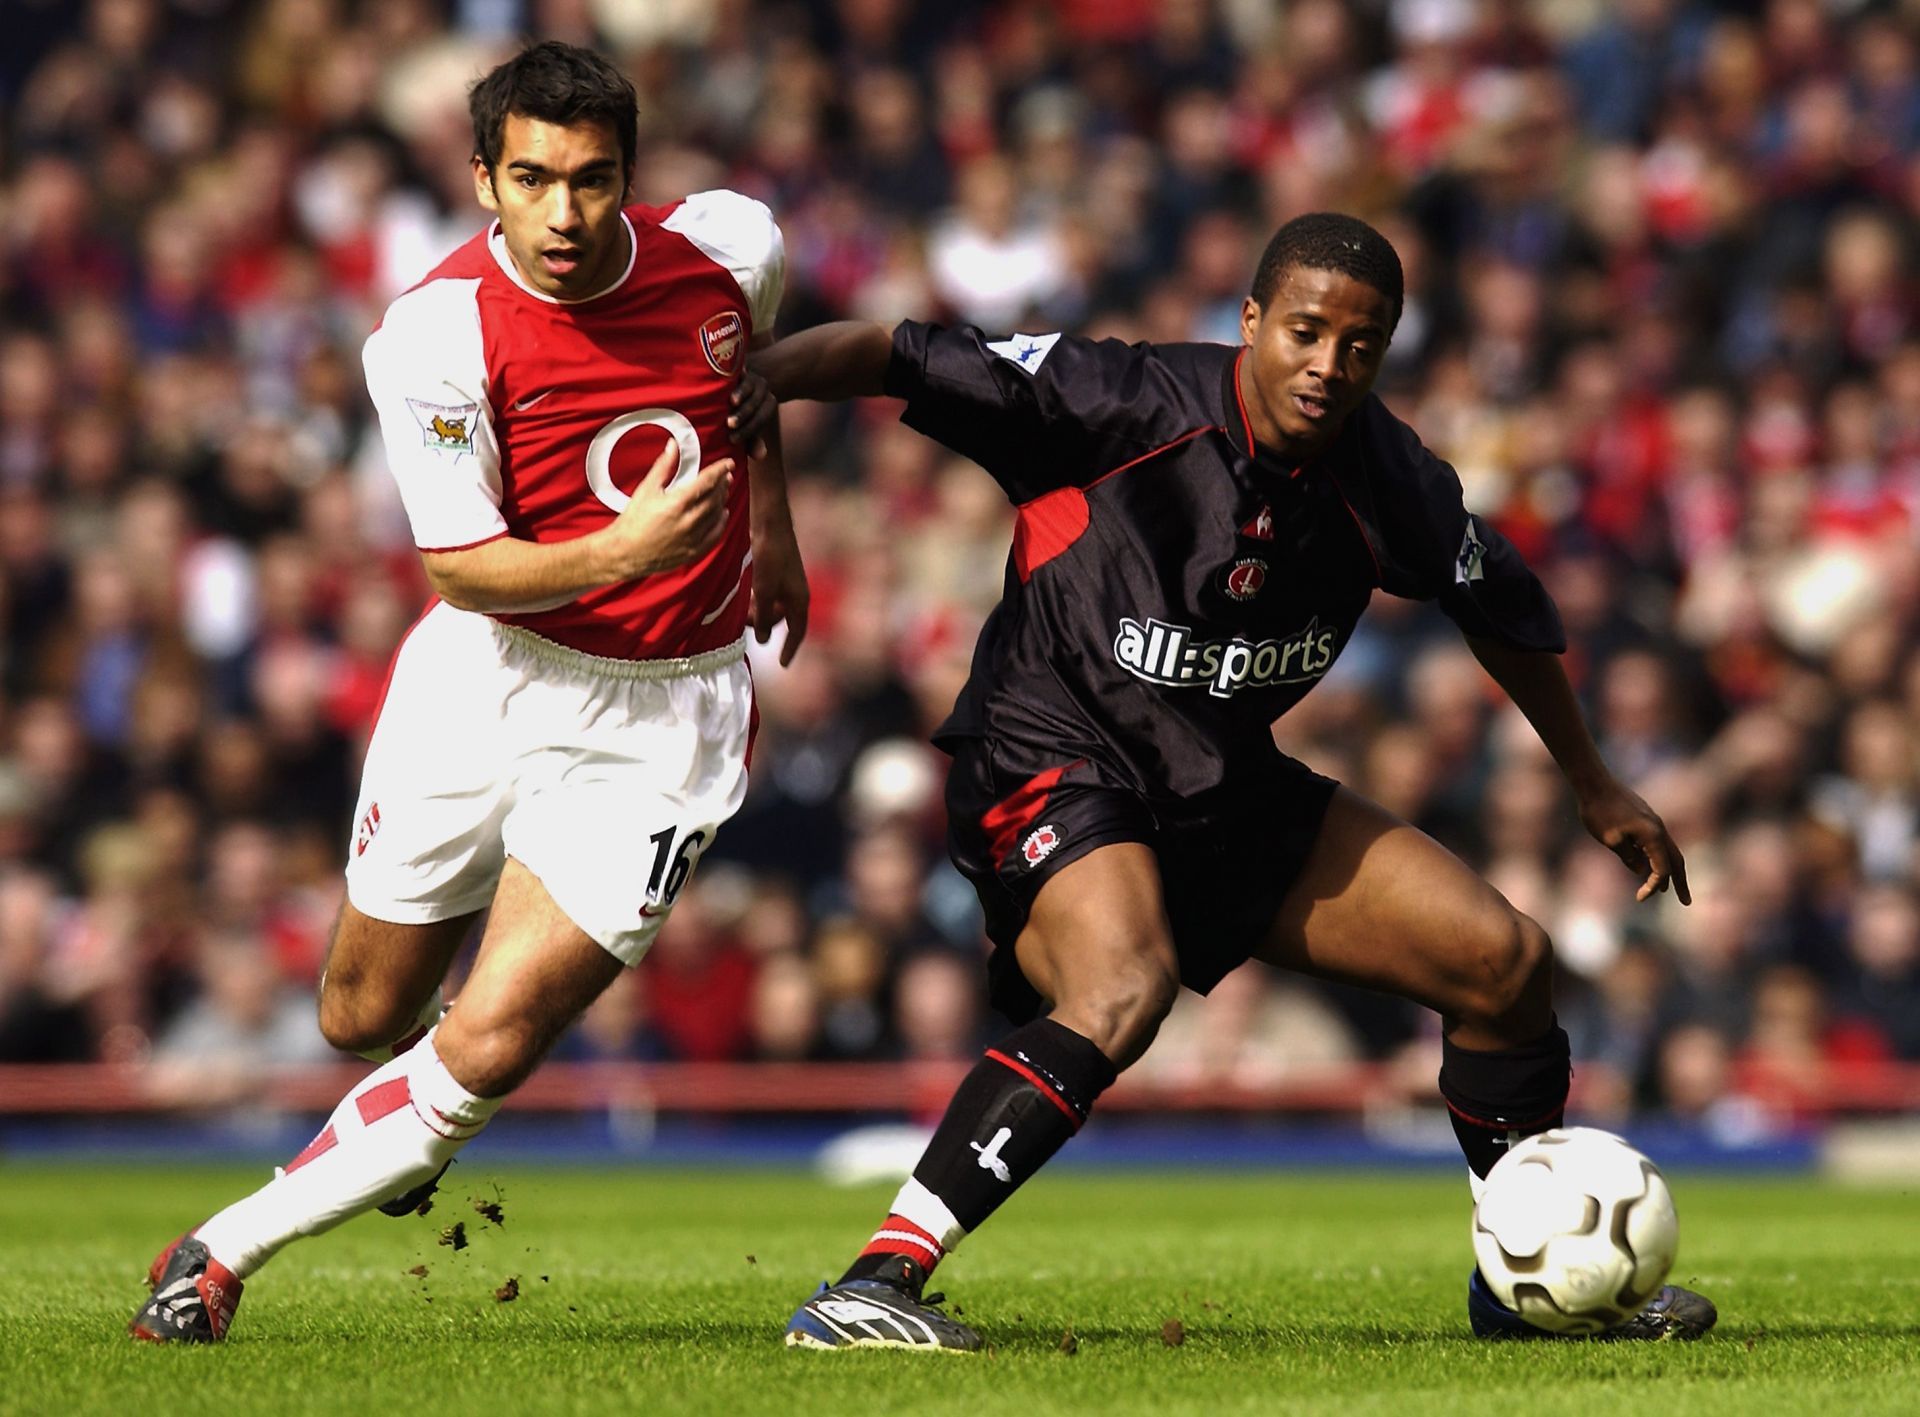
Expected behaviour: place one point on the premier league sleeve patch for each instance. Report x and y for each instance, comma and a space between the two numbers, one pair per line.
444, 427
1469, 564
1029, 352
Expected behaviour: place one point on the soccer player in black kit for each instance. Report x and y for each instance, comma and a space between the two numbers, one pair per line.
1200, 528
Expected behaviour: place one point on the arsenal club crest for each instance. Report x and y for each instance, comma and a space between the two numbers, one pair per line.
1245, 577
723, 339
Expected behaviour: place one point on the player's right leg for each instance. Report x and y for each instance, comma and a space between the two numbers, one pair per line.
424, 858
380, 994
380, 987
535, 973
1098, 947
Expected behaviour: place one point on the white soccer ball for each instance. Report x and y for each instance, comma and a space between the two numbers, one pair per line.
1575, 1230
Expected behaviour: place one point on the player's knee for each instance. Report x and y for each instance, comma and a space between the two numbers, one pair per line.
356, 1018
1516, 973
488, 1057
1125, 1002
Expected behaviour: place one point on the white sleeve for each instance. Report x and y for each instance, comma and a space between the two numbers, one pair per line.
426, 370
739, 233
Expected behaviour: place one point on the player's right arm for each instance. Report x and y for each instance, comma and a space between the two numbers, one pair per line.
1039, 412
427, 377
660, 528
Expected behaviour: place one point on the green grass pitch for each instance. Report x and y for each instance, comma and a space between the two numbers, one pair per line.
665, 1292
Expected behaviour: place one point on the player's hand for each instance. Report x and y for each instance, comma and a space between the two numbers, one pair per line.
662, 527
1620, 821
754, 410
779, 591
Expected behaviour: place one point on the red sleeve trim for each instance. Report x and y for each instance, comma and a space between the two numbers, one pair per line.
442, 550
1049, 525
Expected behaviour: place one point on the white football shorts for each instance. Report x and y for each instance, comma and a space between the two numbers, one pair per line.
606, 778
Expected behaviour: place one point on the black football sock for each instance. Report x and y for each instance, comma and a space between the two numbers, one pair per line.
1496, 1098
1011, 1113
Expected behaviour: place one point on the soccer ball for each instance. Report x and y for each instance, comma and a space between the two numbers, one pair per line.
1574, 1230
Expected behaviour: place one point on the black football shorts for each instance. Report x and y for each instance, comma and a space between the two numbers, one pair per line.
1014, 818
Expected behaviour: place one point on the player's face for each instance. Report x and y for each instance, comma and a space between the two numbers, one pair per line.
1313, 354
558, 189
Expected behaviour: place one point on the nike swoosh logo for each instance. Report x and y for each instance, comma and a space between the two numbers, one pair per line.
647, 912
525, 404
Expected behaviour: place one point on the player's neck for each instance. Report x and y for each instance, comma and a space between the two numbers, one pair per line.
606, 276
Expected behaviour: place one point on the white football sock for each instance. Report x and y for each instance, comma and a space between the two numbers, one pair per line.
920, 1205
395, 1129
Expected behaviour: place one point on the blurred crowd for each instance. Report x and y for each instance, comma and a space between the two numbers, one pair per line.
1660, 316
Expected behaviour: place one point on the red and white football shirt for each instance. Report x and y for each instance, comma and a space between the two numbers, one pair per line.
506, 412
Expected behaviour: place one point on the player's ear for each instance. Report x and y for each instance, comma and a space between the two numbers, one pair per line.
483, 184
1250, 313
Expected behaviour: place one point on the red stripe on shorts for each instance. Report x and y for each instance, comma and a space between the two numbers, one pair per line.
1004, 822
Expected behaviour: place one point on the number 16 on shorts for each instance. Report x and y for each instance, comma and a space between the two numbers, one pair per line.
674, 857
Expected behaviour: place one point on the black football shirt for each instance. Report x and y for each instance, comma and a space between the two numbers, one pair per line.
1172, 589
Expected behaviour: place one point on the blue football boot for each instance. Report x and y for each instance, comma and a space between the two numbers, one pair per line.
879, 1313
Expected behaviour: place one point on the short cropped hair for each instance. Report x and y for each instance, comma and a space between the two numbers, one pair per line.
556, 83
1332, 241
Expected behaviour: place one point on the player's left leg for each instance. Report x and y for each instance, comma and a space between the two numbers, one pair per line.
535, 973
1380, 904
1098, 948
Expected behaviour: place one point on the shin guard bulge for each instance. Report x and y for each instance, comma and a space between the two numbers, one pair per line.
1012, 1112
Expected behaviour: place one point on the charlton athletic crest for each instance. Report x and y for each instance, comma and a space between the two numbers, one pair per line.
723, 339
1245, 579
1039, 844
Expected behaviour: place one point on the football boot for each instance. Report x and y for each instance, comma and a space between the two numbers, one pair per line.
193, 1298
877, 1312
1672, 1313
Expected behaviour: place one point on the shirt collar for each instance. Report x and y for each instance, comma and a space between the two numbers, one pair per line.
497, 243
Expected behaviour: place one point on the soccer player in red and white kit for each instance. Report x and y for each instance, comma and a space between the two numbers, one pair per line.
569, 723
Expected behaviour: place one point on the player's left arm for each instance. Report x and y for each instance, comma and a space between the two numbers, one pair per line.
1440, 550
1616, 815
740, 234
779, 588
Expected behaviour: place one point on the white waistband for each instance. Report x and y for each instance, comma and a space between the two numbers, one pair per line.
540, 647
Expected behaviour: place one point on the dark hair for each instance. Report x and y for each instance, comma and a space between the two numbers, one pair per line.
1331, 241
556, 83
